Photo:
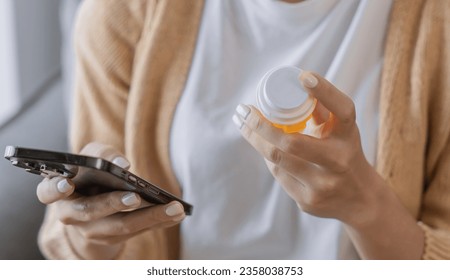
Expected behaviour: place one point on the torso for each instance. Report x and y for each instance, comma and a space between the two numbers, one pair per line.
240, 210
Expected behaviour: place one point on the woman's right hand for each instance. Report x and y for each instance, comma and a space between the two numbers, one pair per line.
98, 225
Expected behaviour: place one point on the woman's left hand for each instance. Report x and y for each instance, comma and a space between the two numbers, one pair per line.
325, 172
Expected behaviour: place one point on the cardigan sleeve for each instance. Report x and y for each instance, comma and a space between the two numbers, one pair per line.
435, 210
106, 35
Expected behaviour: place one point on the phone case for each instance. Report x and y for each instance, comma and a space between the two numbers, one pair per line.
86, 171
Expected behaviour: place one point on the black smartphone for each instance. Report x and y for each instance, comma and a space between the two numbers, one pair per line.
86, 171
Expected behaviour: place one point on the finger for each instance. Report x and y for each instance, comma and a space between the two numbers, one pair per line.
293, 187
106, 152
254, 127
116, 239
296, 166
304, 194
253, 119
92, 208
332, 99
54, 189
123, 225
320, 114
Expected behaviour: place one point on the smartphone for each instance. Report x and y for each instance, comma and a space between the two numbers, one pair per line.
90, 174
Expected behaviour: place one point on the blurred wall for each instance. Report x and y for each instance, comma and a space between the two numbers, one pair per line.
9, 98
31, 39
38, 42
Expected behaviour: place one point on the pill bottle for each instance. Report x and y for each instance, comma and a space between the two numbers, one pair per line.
283, 101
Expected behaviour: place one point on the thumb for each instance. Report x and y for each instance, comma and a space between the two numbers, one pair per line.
107, 152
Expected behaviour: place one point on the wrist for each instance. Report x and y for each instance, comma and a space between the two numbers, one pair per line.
375, 195
383, 228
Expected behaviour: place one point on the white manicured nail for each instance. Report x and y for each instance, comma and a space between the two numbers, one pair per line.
243, 111
63, 186
174, 210
308, 80
237, 121
130, 199
122, 162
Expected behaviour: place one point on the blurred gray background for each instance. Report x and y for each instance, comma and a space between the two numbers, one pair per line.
36, 62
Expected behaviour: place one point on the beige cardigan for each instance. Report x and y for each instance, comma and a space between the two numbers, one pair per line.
133, 60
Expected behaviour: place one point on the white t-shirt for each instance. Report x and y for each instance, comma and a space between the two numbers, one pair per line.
240, 211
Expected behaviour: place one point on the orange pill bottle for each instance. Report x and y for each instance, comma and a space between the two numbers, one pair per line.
283, 101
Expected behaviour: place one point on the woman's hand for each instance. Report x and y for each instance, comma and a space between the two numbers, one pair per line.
327, 174
98, 225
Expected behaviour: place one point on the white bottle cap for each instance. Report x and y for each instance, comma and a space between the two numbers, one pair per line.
281, 98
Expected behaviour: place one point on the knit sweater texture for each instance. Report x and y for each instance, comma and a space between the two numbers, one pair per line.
133, 59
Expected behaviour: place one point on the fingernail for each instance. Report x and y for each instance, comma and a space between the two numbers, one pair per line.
130, 199
308, 80
243, 111
237, 121
63, 186
174, 210
122, 162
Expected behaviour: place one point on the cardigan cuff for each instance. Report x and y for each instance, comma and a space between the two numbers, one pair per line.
437, 243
